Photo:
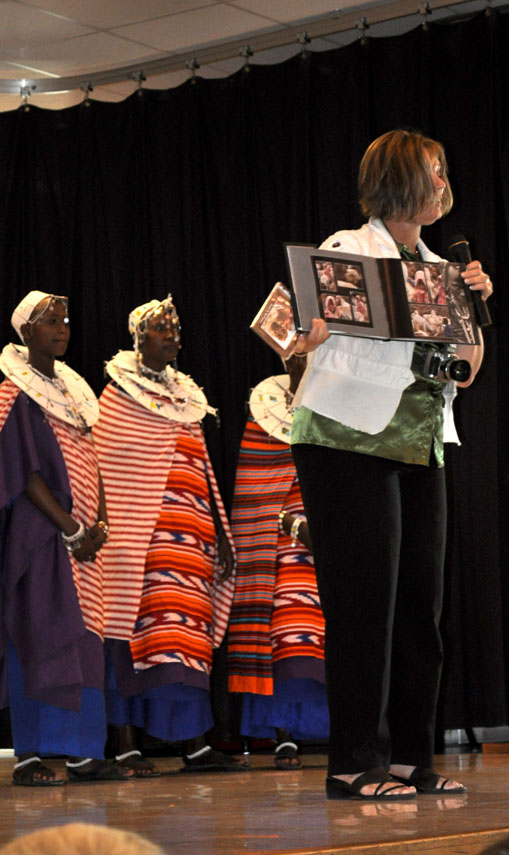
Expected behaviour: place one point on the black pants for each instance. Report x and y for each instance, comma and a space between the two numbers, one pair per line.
378, 531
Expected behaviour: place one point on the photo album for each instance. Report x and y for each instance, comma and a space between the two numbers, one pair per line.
386, 298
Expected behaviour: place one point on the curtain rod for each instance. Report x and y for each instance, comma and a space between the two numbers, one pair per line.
332, 23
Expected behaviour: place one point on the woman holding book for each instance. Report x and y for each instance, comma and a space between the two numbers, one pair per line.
367, 439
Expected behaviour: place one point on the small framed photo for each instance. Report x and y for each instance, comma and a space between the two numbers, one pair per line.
274, 322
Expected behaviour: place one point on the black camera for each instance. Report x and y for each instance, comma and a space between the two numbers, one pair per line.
445, 365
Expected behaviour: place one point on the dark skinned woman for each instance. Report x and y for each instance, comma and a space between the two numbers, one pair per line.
53, 524
168, 565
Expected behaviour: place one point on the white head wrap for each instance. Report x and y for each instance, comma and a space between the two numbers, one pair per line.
22, 312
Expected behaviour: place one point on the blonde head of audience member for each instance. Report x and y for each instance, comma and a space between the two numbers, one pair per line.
79, 838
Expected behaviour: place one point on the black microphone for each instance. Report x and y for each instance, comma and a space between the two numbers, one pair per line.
459, 250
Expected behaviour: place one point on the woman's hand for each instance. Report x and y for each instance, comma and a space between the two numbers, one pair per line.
307, 342
477, 280
99, 534
87, 549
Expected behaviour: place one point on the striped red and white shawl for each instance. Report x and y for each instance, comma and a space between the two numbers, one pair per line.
135, 447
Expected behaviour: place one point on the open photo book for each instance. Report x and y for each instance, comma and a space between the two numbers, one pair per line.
386, 298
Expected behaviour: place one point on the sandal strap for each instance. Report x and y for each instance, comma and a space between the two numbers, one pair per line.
23, 763
377, 775
422, 777
386, 793
120, 757
198, 753
285, 745
101, 770
78, 763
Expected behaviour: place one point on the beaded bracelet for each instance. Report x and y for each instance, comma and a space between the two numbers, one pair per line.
280, 519
73, 541
294, 531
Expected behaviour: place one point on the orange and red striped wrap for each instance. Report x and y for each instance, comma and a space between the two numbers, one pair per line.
136, 448
276, 614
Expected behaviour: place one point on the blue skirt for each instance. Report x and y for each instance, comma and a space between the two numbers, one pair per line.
297, 705
48, 730
172, 712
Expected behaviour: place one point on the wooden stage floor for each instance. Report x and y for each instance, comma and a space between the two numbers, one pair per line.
262, 811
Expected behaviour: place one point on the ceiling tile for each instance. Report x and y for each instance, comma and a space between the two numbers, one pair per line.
104, 15
16, 70
87, 54
297, 10
187, 30
23, 28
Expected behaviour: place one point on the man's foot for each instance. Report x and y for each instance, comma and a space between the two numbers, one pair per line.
136, 762
32, 772
426, 781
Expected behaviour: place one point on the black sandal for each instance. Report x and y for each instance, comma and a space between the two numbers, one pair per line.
91, 771
135, 761
285, 755
211, 761
26, 774
338, 789
426, 781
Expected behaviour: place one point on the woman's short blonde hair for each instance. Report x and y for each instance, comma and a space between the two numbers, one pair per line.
395, 178
79, 838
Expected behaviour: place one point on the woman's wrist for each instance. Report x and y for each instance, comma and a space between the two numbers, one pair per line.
68, 525
290, 525
74, 541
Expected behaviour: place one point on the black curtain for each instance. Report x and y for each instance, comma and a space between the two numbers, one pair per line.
193, 190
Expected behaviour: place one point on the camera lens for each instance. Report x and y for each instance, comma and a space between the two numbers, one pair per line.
459, 370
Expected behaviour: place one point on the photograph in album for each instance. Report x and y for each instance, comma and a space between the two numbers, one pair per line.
385, 298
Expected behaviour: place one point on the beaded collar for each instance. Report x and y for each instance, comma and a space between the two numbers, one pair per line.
66, 396
270, 403
168, 393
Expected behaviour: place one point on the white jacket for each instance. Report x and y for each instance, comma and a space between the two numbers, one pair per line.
359, 381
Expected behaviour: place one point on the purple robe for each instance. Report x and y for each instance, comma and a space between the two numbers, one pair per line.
40, 611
